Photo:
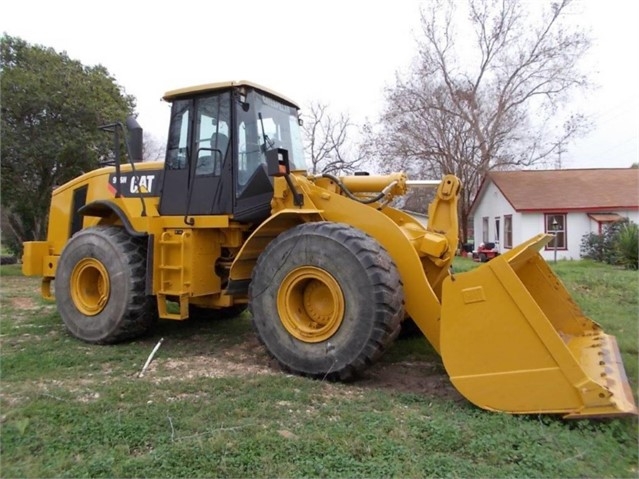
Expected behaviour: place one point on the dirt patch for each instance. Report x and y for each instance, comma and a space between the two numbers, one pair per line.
247, 359
419, 377
24, 303
205, 366
244, 359
82, 390
26, 338
250, 358
14, 285
20, 298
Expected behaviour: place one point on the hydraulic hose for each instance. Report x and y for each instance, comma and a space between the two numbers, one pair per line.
346, 191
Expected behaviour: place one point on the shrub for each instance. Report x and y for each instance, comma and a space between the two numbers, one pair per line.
592, 247
627, 245
602, 247
8, 259
617, 245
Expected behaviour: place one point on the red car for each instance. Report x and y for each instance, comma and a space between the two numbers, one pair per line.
485, 252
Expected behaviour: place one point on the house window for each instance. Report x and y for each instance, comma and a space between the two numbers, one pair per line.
484, 230
556, 224
508, 231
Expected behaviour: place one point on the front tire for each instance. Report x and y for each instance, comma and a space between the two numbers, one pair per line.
326, 300
100, 286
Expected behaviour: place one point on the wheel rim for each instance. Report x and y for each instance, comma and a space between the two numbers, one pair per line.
90, 286
310, 304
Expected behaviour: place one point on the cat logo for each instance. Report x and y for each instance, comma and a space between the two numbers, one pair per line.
134, 184
141, 184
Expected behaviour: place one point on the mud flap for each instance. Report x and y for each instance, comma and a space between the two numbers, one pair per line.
513, 340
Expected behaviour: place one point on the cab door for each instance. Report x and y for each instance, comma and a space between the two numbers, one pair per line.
253, 187
198, 167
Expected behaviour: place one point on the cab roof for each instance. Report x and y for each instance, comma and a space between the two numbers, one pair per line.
207, 87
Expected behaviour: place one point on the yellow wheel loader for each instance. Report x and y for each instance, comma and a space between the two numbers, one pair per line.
327, 267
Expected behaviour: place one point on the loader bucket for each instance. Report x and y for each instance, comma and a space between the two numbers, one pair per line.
513, 340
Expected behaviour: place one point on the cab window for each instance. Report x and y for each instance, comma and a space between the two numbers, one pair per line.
212, 133
177, 145
265, 124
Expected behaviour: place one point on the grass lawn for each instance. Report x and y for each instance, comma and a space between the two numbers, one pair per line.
212, 404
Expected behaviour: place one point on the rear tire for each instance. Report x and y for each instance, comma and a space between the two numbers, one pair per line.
100, 286
326, 300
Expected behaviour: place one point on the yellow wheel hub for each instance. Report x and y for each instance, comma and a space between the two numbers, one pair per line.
310, 303
90, 286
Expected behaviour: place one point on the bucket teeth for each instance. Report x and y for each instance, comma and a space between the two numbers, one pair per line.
615, 375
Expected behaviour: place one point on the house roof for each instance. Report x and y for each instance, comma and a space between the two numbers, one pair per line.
606, 217
563, 190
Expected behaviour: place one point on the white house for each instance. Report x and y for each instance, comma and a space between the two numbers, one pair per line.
513, 206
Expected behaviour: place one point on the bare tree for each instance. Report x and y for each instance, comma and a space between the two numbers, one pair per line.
152, 149
327, 143
491, 98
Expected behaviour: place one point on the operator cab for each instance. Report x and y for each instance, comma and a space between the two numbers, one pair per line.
219, 136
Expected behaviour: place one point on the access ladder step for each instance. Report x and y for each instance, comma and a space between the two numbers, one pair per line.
163, 310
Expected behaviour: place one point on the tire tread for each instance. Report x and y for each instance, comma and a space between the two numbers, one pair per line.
385, 280
140, 312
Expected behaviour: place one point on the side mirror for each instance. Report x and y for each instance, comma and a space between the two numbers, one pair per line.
277, 163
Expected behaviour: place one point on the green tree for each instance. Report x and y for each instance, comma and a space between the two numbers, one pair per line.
52, 107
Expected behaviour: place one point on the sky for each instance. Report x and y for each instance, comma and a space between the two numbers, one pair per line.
338, 52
